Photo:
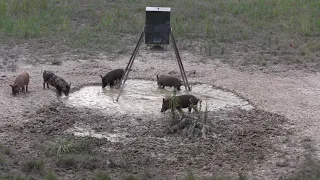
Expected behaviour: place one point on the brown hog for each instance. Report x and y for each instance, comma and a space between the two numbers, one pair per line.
164, 80
112, 77
182, 101
21, 82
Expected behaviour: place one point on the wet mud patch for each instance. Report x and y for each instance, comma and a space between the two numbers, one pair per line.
55, 118
238, 139
88, 132
144, 97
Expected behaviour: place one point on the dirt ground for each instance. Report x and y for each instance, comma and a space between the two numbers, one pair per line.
267, 142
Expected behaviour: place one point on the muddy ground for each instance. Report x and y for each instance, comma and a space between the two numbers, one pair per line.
267, 142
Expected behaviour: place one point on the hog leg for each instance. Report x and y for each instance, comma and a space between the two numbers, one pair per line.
44, 85
111, 84
23, 90
192, 106
195, 108
59, 91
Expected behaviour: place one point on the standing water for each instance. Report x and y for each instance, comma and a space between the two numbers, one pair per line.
144, 97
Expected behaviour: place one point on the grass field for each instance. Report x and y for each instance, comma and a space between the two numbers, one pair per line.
288, 29
107, 25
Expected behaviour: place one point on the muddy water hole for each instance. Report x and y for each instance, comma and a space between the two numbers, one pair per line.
141, 97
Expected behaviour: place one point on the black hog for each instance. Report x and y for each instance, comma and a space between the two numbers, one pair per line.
60, 84
112, 77
21, 83
179, 102
164, 80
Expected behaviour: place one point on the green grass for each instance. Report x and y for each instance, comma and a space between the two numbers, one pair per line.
62, 146
5, 150
59, 146
2, 160
90, 162
106, 25
189, 175
32, 168
50, 176
73, 154
101, 176
35, 166
76, 161
16, 177
67, 162
130, 177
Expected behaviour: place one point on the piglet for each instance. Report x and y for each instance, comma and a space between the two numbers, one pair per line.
21, 83
111, 78
165, 80
179, 102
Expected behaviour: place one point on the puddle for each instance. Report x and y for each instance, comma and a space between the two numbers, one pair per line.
144, 97
82, 132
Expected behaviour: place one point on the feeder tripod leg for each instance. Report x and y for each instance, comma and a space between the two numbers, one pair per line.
129, 65
183, 74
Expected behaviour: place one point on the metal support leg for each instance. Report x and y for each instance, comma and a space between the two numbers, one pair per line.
129, 65
183, 74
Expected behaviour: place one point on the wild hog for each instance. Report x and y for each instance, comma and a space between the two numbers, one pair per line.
112, 77
46, 77
164, 80
21, 82
179, 102
60, 84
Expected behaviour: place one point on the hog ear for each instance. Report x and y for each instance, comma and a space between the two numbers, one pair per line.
157, 76
10, 85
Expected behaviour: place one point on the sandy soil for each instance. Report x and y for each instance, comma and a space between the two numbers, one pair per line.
264, 143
